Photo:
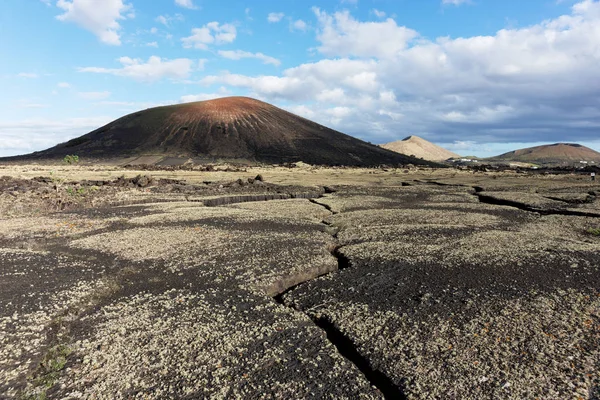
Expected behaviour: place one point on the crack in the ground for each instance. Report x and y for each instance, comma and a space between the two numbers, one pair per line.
348, 349
325, 206
483, 198
344, 344
226, 200
436, 183
588, 200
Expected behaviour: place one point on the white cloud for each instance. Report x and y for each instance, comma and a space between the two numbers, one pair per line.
153, 70
378, 13
167, 19
239, 54
456, 2
28, 75
303, 82
189, 98
200, 97
299, 25
94, 95
342, 35
186, 4
211, 33
152, 44
275, 16
64, 85
100, 18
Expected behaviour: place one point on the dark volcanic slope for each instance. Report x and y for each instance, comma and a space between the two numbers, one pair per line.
552, 153
237, 128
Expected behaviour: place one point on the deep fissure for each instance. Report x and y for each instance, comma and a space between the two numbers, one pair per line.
510, 203
347, 348
344, 344
247, 198
325, 206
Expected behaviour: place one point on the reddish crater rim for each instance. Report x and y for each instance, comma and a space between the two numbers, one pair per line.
225, 108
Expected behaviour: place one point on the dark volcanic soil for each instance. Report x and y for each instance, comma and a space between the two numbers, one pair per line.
251, 290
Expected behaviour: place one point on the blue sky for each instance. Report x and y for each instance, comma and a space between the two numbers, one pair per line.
477, 76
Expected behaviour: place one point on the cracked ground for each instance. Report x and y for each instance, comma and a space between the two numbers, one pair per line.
382, 285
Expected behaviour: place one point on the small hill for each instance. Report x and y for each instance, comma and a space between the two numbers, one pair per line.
228, 129
558, 153
421, 148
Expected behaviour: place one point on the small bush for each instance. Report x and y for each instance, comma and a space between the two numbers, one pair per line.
71, 159
51, 365
76, 192
594, 231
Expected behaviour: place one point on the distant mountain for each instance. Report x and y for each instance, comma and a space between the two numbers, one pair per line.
558, 153
421, 148
226, 129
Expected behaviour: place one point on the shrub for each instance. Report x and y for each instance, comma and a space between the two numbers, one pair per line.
76, 192
71, 159
594, 231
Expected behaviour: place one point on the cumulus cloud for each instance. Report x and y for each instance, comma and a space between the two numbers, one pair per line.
154, 69
299, 25
529, 84
100, 18
239, 54
275, 17
342, 35
186, 4
211, 33
304, 82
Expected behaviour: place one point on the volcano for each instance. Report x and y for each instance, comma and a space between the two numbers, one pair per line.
228, 129
419, 147
558, 153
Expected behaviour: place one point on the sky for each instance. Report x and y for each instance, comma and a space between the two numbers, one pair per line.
479, 77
